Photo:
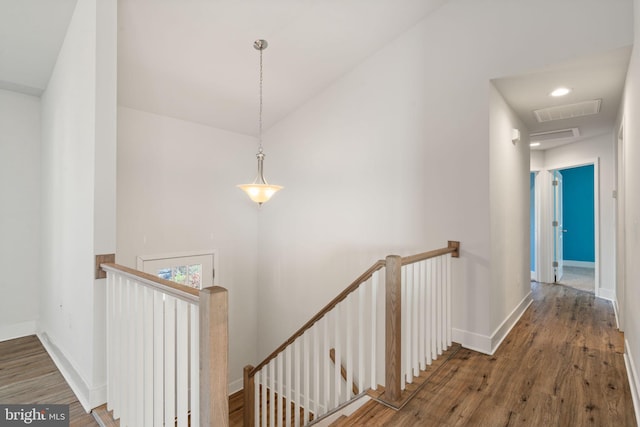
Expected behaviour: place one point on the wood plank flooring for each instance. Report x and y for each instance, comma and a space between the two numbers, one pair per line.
29, 376
561, 365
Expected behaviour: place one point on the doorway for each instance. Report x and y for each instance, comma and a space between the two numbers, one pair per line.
575, 232
564, 252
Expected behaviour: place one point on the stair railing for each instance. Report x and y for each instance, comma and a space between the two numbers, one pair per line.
357, 341
167, 351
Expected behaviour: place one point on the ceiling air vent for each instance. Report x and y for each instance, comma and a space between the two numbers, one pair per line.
554, 135
568, 111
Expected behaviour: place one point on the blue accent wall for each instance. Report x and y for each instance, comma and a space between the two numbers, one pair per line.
578, 215
532, 215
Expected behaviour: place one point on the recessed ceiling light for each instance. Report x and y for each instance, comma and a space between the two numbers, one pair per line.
534, 144
561, 91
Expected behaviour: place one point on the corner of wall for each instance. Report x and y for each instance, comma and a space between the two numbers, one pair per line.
505, 327
89, 398
17, 330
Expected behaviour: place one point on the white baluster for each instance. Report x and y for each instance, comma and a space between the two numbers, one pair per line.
296, 381
182, 362
326, 346
374, 330
439, 305
158, 358
138, 377
169, 360
448, 268
147, 296
406, 328
264, 392
361, 333
289, 393
257, 399
316, 368
112, 350
129, 338
432, 312
195, 365
307, 374
422, 314
280, 386
272, 393
349, 350
416, 330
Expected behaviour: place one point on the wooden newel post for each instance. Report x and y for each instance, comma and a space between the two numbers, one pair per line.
214, 356
456, 245
249, 404
393, 327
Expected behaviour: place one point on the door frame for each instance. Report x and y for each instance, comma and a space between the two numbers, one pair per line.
544, 218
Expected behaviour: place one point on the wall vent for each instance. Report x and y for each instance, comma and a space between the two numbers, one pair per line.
554, 135
568, 111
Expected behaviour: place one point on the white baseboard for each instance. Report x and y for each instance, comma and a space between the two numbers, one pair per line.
17, 330
583, 264
634, 379
534, 276
489, 344
503, 330
604, 293
615, 311
471, 340
89, 398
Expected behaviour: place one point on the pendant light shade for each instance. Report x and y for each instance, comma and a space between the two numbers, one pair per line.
260, 190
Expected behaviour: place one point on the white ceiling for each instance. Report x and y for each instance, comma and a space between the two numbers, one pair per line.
194, 59
31, 33
600, 76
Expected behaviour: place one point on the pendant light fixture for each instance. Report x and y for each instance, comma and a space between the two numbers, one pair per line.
260, 190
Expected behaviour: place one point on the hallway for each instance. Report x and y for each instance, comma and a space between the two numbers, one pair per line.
561, 365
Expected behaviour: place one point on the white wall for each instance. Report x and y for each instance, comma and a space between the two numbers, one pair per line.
510, 214
537, 160
394, 156
177, 192
584, 152
631, 112
78, 120
19, 213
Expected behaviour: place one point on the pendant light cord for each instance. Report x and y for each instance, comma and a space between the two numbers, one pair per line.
260, 115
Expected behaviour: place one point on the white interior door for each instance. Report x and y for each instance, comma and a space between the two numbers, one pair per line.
558, 230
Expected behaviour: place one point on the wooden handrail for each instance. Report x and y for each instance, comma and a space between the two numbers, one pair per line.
175, 289
393, 331
344, 294
452, 248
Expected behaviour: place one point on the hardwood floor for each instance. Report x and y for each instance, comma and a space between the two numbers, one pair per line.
29, 376
561, 365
